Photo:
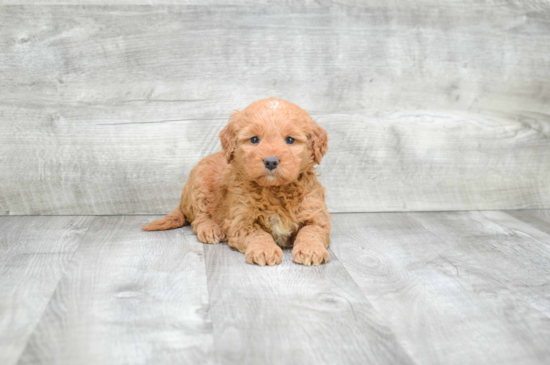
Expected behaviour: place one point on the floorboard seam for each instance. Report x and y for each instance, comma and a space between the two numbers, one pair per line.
362, 294
214, 349
64, 271
332, 213
544, 243
503, 284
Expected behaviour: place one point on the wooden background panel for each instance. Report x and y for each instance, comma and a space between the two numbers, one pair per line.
105, 164
392, 4
105, 109
437, 161
82, 161
327, 59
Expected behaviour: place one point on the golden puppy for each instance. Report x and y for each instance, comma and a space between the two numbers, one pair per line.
261, 192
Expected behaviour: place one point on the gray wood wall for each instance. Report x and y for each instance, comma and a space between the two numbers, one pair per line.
429, 105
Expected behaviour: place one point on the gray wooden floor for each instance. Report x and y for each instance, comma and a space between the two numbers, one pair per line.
401, 288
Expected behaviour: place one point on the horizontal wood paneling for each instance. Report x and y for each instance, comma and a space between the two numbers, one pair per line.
390, 4
115, 161
104, 110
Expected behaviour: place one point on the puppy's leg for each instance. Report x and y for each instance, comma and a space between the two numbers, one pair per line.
262, 250
310, 246
170, 221
207, 230
258, 247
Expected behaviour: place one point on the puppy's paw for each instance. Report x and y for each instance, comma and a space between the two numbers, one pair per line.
209, 232
310, 254
263, 253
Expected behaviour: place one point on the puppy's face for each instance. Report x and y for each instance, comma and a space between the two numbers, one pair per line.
272, 141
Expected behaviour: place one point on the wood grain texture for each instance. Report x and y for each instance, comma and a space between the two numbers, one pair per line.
128, 297
511, 252
539, 5
537, 218
424, 288
104, 110
34, 252
293, 314
455, 288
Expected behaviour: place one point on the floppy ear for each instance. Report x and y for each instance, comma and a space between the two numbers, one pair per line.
319, 142
228, 137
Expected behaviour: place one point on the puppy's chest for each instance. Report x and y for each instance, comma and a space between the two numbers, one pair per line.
277, 214
281, 229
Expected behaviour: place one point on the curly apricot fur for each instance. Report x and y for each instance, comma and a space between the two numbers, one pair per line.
231, 195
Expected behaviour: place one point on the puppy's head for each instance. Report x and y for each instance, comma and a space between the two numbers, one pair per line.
272, 141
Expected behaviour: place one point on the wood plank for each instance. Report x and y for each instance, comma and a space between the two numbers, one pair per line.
128, 297
450, 4
448, 284
410, 163
514, 254
292, 314
34, 252
519, 262
104, 110
458, 5
514, 262
539, 219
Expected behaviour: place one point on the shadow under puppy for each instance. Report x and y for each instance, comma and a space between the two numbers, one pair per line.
261, 192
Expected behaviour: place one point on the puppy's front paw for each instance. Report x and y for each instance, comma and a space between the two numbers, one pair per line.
263, 253
310, 254
209, 232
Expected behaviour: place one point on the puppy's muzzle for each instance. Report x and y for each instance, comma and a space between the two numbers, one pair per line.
271, 162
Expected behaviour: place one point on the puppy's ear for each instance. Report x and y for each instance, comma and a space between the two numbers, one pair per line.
319, 142
228, 136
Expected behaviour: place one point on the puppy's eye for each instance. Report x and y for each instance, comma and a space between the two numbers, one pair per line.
255, 140
289, 140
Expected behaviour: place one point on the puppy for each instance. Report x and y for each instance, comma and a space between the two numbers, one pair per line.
261, 192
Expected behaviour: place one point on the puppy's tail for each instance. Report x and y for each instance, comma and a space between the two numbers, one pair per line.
175, 219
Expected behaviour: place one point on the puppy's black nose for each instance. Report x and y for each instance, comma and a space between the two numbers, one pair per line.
271, 162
